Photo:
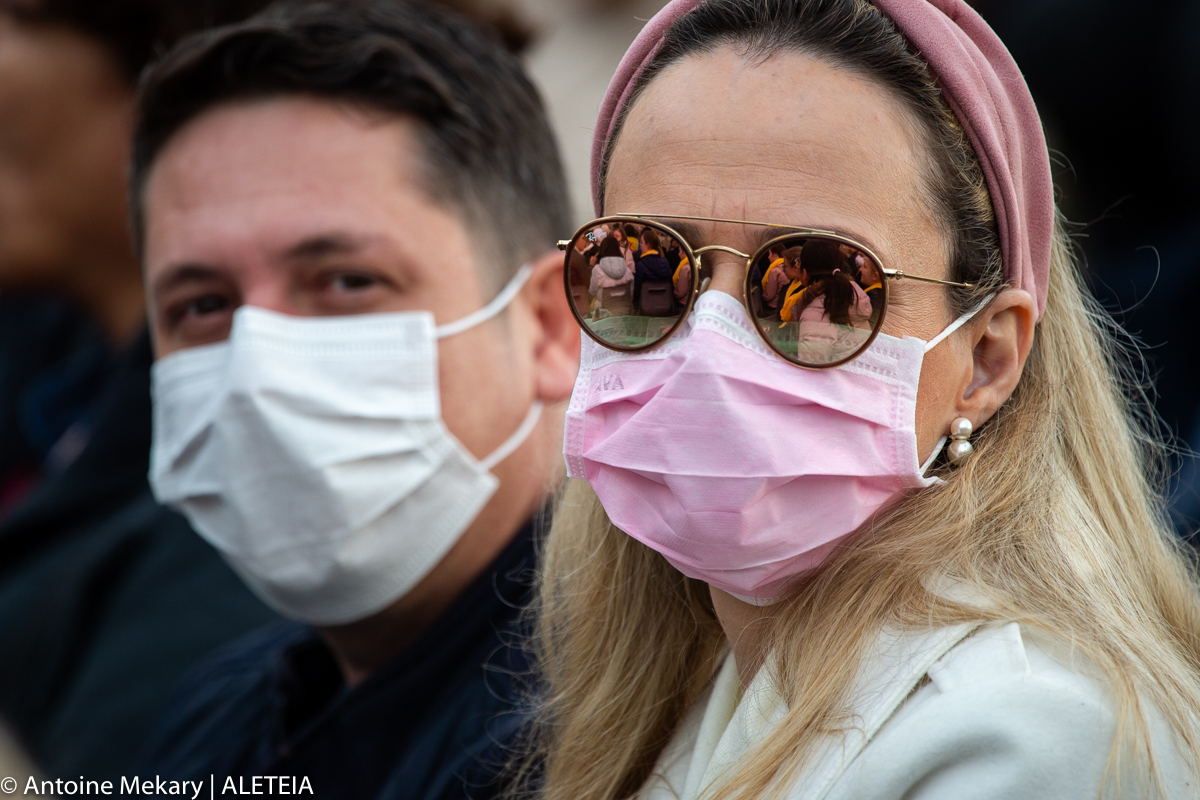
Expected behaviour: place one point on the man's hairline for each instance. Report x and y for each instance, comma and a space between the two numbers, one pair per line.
361, 109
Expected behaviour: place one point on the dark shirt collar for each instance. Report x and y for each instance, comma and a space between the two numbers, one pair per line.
476, 640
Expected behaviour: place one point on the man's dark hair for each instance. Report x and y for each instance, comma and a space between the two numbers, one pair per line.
135, 31
489, 150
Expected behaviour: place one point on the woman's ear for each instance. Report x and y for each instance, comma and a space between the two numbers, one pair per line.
556, 353
1001, 337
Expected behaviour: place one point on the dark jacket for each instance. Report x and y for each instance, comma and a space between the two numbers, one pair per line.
650, 268
52, 359
434, 724
106, 598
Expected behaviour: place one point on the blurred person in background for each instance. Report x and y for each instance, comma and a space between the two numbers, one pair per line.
612, 279
347, 215
583, 257
105, 596
650, 265
794, 292
832, 297
775, 281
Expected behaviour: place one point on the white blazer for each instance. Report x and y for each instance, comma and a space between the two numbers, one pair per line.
959, 712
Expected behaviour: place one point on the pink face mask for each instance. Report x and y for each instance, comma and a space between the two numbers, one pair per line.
742, 470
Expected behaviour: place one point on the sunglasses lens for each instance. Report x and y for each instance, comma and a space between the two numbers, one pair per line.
628, 283
817, 301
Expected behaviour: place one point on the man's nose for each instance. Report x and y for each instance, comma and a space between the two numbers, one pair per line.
274, 295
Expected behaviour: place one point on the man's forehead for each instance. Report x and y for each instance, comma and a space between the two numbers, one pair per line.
264, 138
284, 169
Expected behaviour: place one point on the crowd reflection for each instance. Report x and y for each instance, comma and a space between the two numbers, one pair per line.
816, 300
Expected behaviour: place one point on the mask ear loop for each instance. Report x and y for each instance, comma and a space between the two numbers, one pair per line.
937, 451
761, 602
498, 304
934, 342
958, 323
517, 439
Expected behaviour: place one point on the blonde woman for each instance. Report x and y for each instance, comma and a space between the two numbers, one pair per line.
927, 562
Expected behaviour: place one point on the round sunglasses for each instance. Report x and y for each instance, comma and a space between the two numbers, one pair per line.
817, 298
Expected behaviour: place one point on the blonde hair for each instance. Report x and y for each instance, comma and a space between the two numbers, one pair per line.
1056, 520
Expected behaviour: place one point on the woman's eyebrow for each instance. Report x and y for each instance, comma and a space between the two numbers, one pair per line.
765, 235
691, 232
696, 237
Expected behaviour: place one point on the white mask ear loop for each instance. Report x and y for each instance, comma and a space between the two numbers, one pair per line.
958, 323
498, 304
934, 342
517, 439
937, 451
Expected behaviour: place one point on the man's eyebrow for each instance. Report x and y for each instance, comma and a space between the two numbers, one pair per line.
184, 274
328, 244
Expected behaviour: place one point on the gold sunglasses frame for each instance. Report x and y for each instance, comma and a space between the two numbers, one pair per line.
694, 255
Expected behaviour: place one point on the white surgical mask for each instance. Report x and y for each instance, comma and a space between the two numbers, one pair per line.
311, 452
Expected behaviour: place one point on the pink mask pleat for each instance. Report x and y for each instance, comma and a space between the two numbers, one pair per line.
741, 469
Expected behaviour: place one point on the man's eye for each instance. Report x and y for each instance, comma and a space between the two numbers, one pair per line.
352, 282
208, 304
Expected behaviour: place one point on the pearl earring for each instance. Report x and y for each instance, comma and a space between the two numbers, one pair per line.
960, 431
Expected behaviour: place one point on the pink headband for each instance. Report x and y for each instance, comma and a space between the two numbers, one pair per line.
983, 86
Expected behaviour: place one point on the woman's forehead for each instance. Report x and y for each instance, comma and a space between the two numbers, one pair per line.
789, 140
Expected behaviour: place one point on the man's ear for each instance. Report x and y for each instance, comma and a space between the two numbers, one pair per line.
1002, 337
556, 354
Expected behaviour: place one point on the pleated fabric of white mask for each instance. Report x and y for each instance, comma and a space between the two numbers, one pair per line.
311, 452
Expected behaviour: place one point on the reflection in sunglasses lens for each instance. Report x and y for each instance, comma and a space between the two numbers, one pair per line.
816, 300
629, 283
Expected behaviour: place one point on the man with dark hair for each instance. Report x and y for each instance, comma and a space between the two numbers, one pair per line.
105, 596
347, 215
